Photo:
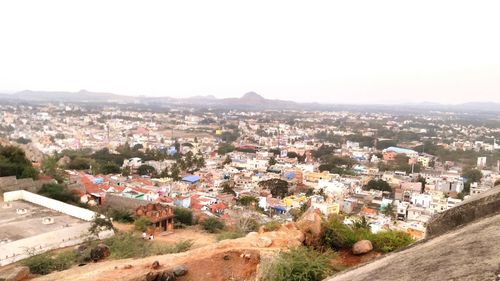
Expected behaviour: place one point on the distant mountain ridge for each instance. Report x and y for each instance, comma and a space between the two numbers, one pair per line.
250, 100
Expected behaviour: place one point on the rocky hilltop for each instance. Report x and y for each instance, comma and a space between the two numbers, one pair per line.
462, 244
238, 259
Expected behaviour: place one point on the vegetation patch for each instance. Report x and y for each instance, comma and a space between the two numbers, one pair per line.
299, 264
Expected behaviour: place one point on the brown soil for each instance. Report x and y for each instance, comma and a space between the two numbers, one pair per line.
346, 259
224, 266
199, 237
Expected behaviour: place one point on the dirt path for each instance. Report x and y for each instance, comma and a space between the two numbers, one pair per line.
199, 237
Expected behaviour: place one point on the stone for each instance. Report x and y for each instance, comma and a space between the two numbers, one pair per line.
99, 252
180, 270
264, 242
160, 276
362, 247
155, 265
127, 266
226, 257
17, 273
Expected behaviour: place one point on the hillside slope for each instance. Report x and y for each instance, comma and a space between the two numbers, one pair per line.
464, 245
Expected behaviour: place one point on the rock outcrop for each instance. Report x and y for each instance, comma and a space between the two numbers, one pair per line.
99, 252
462, 245
310, 224
17, 273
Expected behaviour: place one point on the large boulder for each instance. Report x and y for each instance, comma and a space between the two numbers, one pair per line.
99, 252
311, 224
362, 247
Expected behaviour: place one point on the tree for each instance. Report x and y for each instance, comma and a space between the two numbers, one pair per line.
379, 184
389, 211
175, 172
164, 173
183, 216
141, 224
59, 192
79, 163
226, 188
109, 168
225, 148
272, 161
248, 200
278, 187
227, 160
138, 146
49, 165
361, 223
146, 170
13, 162
471, 176
212, 224
100, 223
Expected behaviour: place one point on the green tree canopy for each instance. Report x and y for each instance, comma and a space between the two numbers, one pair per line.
378, 184
278, 187
13, 162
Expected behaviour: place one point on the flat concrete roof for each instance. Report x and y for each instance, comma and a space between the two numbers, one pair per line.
15, 226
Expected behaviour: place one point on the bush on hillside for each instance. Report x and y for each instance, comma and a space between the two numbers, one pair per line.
299, 264
59, 192
130, 245
338, 236
226, 235
388, 241
183, 215
121, 215
141, 224
13, 162
39, 264
46, 263
212, 224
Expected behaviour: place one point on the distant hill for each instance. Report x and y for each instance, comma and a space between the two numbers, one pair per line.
250, 100
55, 96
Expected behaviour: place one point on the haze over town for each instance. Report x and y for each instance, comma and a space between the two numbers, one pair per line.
326, 51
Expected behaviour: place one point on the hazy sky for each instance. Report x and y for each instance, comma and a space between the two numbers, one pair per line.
332, 51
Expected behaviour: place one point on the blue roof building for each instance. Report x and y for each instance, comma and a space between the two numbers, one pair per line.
191, 179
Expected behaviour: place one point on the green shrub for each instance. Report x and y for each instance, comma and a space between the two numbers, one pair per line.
64, 260
388, 241
226, 235
39, 264
212, 224
58, 192
272, 225
129, 245
299, 264
121, 215
183, 215
163, 249
141, 224
337, 235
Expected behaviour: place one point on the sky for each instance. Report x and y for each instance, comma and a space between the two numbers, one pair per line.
322, 51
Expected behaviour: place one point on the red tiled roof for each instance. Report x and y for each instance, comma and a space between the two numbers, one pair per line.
218, 206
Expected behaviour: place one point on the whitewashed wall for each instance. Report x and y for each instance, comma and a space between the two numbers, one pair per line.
67, 236
49, 203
